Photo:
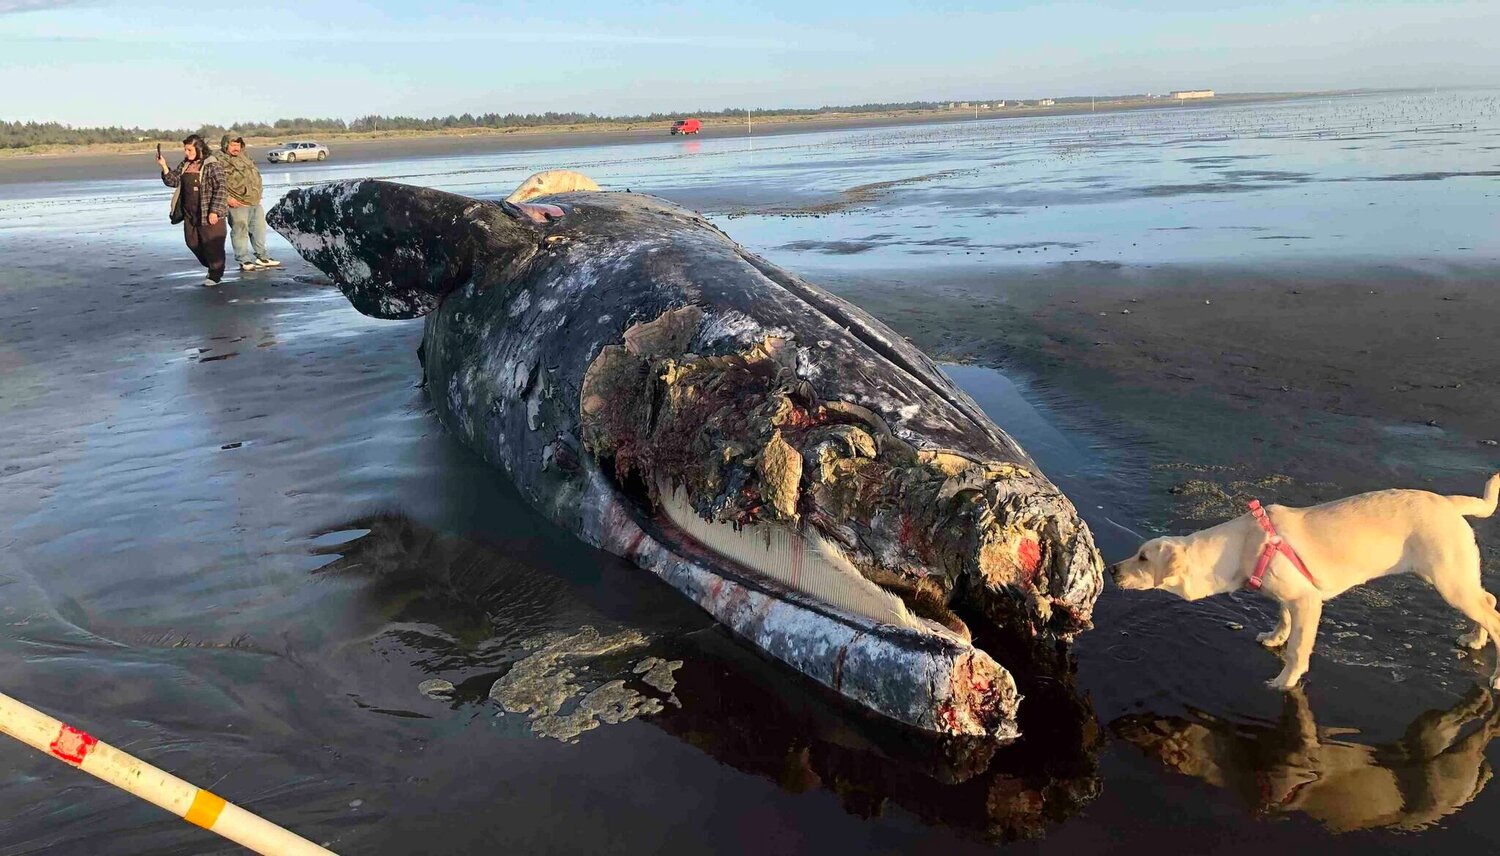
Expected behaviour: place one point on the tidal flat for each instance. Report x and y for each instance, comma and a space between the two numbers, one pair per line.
234, 541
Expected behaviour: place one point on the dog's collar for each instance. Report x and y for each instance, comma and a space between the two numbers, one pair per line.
1275, 545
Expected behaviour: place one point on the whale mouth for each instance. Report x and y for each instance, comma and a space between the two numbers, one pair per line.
802, 560
742, 459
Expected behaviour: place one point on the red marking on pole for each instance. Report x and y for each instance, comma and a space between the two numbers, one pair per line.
72, 745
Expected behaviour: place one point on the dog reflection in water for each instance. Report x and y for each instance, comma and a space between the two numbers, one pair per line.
1434, 770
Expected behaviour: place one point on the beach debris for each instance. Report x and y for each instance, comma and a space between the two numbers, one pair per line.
1207, 500
1489, 442
548, 682
436, 689
657, 673
1234, 625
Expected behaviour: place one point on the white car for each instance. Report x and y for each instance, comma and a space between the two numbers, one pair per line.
299, 150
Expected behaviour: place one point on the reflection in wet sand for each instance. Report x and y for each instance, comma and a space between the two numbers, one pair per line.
709, 691
1435, 769
748, 714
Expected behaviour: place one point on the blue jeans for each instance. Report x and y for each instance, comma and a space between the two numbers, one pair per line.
247, 229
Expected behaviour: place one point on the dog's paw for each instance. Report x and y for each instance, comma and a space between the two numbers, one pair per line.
1474, 640
1271, 639
1284, 682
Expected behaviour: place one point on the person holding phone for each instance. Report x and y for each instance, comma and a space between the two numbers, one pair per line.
200, 202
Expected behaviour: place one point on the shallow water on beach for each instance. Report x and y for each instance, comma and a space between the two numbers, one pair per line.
235, 542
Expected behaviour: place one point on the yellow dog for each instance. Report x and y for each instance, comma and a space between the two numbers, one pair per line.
1343, 543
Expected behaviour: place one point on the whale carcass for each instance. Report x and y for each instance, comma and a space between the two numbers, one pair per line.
772, 452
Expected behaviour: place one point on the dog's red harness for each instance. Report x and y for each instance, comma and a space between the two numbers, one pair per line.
1273, 546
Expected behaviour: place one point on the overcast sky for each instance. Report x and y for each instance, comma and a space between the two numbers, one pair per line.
127, 62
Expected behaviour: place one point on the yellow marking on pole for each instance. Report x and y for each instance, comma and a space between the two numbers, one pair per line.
205, 809
152, 784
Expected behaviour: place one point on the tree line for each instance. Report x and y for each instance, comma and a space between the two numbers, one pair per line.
16, 135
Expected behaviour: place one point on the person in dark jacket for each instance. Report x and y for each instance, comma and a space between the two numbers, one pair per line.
202, 202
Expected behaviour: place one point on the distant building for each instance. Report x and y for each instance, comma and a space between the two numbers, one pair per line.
1046, 102
999, 104
964, 104
1185, 94
984, 106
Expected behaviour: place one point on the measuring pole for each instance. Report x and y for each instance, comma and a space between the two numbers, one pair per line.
193, 804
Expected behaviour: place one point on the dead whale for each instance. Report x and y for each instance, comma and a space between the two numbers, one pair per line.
769, 450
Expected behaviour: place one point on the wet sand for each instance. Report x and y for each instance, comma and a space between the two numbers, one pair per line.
105, 165
236, 543
1342, 377
228, 444
266, 456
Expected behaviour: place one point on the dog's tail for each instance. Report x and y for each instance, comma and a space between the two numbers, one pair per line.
1473, 506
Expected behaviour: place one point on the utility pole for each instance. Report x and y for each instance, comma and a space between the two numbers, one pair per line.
747, 120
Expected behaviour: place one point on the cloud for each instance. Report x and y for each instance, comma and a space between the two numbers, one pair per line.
10, 6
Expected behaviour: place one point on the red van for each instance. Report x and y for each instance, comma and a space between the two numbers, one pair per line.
686, 126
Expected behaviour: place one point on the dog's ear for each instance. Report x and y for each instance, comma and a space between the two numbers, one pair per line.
1172, 565
1168, 561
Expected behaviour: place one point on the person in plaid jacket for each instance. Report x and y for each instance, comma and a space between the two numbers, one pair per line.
201, 202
